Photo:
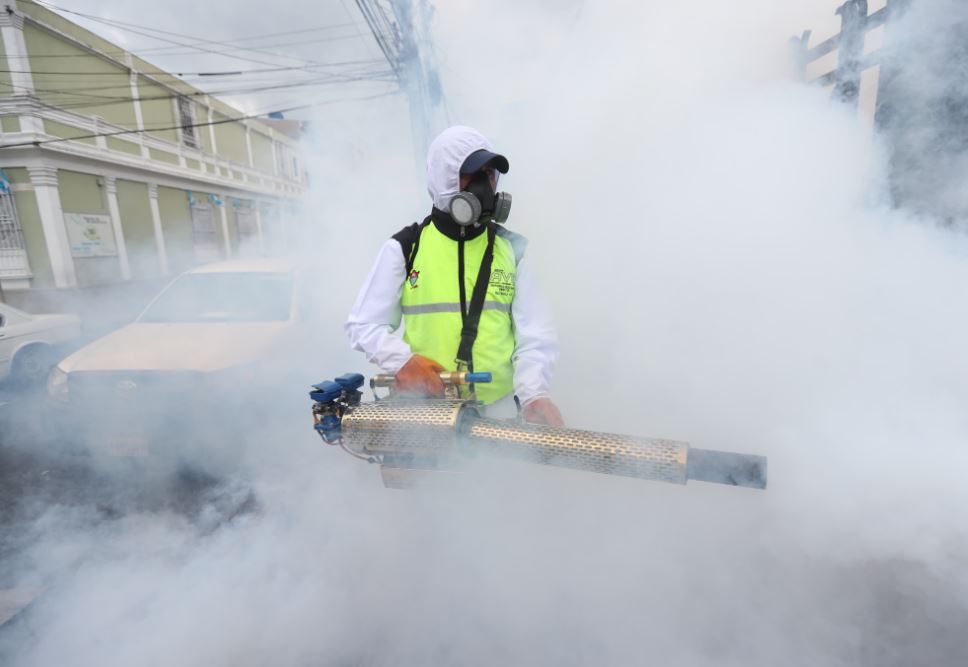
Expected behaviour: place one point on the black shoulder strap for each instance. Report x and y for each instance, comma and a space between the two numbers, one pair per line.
409, 240
472, 316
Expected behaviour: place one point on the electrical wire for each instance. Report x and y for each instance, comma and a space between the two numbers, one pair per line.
182, 126
237, 92
163, 50
329, 78
298, 68
362, 75
139, 30
382, 31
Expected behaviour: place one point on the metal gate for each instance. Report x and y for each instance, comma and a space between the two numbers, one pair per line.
204, 234
246, 223
13, 250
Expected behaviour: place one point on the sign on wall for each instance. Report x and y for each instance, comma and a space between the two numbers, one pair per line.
90, 235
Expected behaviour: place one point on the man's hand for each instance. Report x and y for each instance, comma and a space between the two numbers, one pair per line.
542, 411
420, 376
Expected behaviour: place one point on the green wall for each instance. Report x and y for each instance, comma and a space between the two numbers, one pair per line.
5, 87
123, 146
176, 226
10, 123
66, 26
262, 152
82, 82
163, 156
139, 232
67, 132
157, 113
230, 140
80, 193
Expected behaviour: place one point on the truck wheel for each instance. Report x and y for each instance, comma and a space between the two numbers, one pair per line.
31, 365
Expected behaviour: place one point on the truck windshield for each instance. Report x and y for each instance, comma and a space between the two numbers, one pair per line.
224, 297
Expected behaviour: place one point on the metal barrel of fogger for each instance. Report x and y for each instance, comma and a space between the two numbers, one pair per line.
628, 456
445, 429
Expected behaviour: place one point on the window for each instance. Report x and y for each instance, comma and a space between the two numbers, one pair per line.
186, 119
13, 251
224, 297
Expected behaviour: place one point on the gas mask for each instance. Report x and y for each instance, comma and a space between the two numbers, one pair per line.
479, 203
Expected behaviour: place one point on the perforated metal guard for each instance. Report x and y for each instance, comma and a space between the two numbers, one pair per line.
401, 426
661, 460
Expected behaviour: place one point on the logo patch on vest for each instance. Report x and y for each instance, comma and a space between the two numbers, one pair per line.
414, 276
502, 283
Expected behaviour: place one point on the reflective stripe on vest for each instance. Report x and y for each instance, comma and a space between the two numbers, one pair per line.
452, 308
431, 307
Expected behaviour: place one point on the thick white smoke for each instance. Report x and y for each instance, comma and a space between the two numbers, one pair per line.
725, 268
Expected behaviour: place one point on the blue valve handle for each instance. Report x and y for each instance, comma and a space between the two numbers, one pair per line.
477, 378
350, 381
326, 391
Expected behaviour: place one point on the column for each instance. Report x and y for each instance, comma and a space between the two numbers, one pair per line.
222, 209
156, 223
853, 22
211, 128
15, 49
136, 104
44, 180
111, 188
248, 145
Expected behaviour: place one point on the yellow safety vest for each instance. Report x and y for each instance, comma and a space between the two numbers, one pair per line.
431, 306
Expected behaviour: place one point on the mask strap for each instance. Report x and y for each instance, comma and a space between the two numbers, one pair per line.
471, 317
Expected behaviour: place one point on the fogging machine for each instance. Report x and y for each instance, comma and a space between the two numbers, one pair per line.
410, 437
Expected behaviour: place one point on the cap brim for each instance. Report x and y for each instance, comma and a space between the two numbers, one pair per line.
484, 158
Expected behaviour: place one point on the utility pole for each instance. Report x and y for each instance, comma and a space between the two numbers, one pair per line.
401, 30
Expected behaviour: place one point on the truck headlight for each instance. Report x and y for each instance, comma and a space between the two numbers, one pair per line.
57, 384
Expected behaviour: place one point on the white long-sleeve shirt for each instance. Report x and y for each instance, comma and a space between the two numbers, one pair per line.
373, 325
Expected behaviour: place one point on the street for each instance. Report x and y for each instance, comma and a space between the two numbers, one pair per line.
39, 473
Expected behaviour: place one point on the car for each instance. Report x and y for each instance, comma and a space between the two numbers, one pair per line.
31, 344
207, 351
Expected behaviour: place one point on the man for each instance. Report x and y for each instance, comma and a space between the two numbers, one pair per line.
463, 287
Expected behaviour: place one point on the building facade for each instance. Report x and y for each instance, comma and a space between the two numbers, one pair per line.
115, 172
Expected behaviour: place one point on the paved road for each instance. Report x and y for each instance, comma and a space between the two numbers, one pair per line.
37, 472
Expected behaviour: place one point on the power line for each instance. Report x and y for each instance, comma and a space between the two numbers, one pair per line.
162, 50
383, 30
107, 101
183, 126
132, 27
335, 26
264, 70
94, 100
355, 24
